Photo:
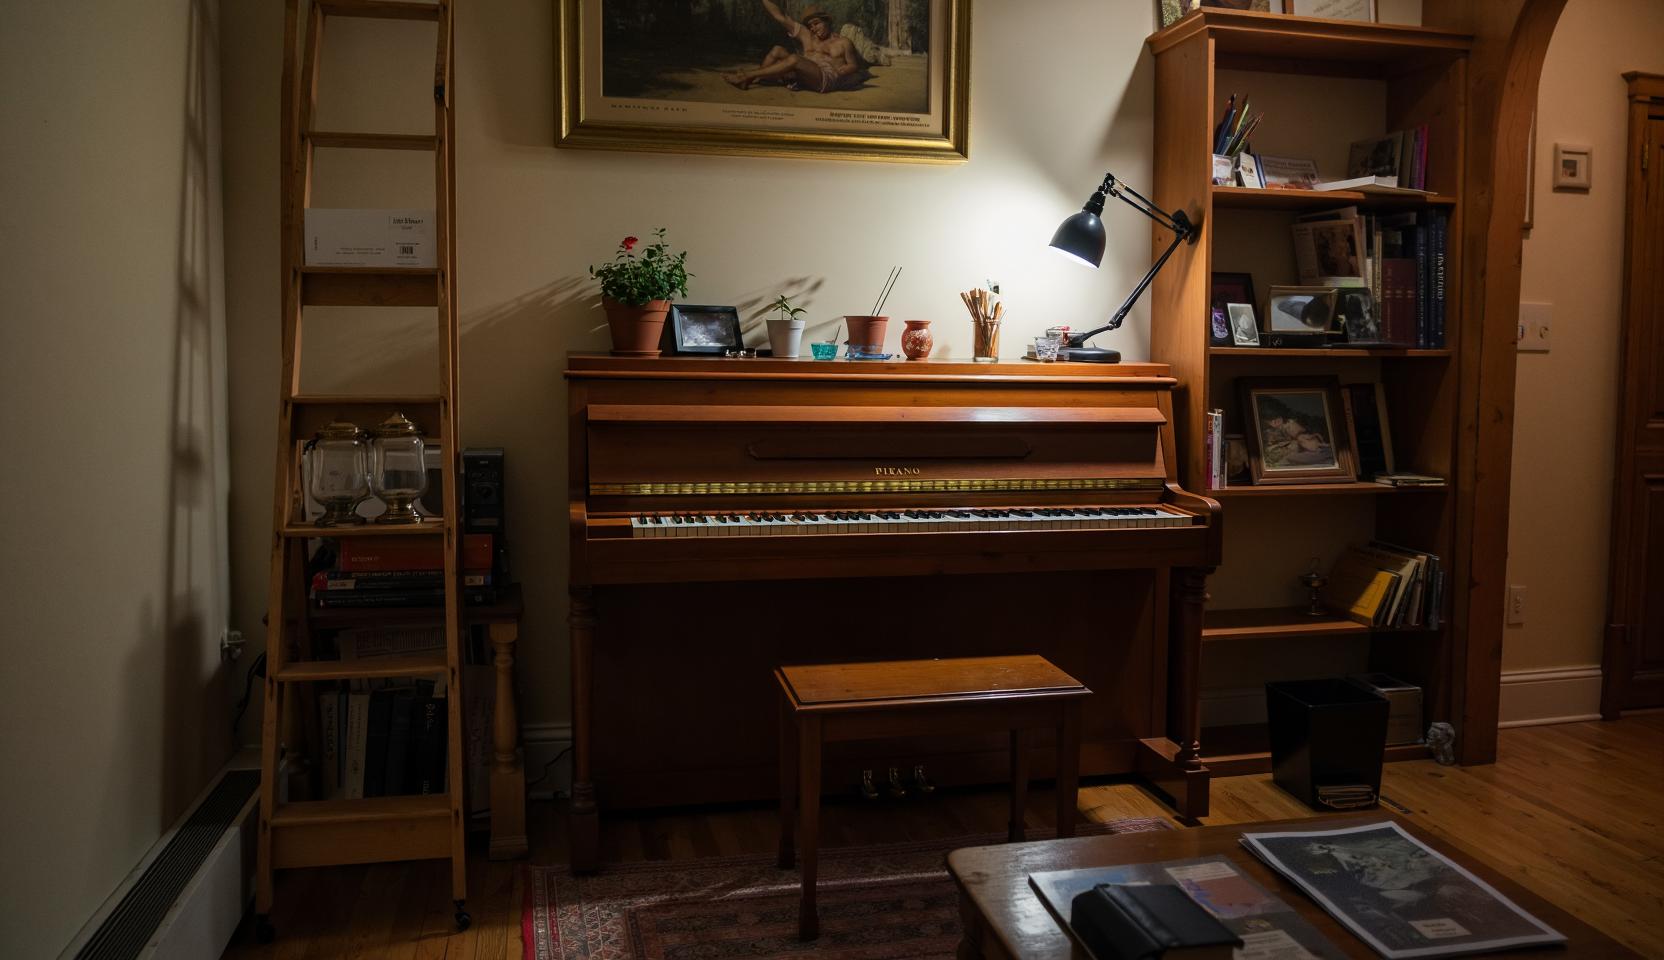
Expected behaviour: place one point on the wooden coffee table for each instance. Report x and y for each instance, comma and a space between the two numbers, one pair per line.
1003, 917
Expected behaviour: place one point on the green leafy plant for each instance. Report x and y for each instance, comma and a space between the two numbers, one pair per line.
653, 274
783, 304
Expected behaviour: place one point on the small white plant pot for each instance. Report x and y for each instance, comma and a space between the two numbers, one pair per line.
785, 335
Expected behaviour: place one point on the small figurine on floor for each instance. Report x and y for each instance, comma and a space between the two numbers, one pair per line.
1441, 739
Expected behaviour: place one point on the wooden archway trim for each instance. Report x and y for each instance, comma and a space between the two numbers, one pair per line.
1511, 39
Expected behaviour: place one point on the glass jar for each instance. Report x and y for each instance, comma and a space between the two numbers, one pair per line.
340, 473
398, 470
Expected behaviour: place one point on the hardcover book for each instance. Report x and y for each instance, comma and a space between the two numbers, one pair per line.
1127, 922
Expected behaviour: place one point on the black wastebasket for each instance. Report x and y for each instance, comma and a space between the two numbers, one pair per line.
1326, 733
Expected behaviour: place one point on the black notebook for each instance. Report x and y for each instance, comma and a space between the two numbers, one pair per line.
1135, 922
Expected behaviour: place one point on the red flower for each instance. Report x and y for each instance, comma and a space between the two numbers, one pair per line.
629, 244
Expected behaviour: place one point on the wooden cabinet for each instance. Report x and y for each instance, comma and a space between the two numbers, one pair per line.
1384, 78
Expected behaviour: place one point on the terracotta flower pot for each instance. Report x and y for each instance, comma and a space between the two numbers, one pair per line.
916, 340
867, 333
635, 329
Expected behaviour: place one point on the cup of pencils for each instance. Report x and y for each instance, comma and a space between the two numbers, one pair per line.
986, 315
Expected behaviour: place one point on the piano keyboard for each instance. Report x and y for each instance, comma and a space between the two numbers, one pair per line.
792, 524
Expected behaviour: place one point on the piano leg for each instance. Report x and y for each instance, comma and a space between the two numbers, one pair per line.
1174, 764
585, 822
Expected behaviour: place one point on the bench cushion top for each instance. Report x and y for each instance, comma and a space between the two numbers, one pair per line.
896, 682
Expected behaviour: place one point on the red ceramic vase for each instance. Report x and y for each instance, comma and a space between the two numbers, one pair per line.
916, 341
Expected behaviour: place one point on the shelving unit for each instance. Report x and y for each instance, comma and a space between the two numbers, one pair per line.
1421, 75
298, 827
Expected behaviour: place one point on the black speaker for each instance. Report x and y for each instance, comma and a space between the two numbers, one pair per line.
482, 490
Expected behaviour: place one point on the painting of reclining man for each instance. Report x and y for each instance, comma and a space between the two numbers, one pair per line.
870, 55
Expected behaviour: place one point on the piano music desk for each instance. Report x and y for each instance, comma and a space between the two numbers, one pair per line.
826, 703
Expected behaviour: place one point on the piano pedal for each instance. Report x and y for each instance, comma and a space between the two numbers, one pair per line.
868, 790
896, 790
923, 786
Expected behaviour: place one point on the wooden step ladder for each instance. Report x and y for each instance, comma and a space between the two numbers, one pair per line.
306, 833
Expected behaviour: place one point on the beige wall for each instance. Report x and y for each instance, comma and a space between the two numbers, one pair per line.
1566, 399
1057, 99
114, 706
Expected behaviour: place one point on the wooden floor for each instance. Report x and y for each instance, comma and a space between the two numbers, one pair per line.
1573, 812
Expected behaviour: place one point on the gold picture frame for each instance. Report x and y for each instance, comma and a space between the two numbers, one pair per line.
698, 101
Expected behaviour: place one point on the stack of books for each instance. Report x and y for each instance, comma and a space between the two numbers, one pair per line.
403, 572
1400, 257
383, 738
1382, 585
1399, 157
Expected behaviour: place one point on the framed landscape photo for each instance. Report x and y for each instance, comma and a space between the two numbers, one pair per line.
849, 79
1296, 430
697, 329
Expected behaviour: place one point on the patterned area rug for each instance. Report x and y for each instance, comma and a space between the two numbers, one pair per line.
876, 903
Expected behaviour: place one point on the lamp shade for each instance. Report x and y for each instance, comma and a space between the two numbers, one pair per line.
1082, 236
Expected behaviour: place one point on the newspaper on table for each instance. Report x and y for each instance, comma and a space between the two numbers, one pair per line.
1397, 894
1270, 929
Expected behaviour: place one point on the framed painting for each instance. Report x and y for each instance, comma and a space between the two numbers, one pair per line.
843, 79
1297, 430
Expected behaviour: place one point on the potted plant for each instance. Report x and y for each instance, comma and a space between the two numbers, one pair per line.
785, 328
636, 290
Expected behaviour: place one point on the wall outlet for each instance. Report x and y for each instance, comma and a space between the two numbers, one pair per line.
1533, 331
1516, 605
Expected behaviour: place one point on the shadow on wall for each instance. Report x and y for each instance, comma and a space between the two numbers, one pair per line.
196, 731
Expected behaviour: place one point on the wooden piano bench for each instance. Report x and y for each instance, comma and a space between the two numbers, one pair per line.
828, 703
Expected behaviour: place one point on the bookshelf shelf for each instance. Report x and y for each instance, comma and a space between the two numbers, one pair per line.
306, 812
1265, 623
307, 530
507, 609
1328, 353
1315, 489
1244, 39
1253, 198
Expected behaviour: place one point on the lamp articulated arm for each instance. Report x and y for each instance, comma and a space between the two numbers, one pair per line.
1177, 221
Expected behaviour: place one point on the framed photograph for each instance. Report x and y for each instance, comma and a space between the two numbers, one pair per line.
1357, 316
1229, 288
692, 329
1296, 430
1219, 326
1236, 459
1334, 9
1169, 12
1571, 167
834, 79
1245, 330
1300, 309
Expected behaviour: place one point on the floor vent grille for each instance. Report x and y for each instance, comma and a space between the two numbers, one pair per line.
129, 927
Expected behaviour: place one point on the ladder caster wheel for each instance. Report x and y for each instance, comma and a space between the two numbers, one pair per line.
264, 932
463, 920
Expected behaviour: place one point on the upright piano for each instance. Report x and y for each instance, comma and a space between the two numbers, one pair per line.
732, 515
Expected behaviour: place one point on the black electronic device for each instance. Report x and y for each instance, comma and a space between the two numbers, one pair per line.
482, 490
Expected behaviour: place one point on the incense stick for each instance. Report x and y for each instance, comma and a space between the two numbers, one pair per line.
883, 295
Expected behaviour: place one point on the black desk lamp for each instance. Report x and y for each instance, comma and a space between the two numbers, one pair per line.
1082, 237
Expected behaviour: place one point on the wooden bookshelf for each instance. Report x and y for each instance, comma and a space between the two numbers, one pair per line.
1422, 77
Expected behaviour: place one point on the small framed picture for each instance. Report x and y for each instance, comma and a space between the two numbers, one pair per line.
1172, 11
1357, 316
1571, 167
1228, 288
1296, 430
702, 329
1219, 326
1245, 330
1300, 310
1236, 459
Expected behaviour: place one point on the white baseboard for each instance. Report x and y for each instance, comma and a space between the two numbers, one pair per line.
542, 743
1557, 695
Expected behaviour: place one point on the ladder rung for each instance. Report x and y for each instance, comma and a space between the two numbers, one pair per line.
416, 665
380, 9
307, 812
374, 141
366, 400
432, 528
369, 287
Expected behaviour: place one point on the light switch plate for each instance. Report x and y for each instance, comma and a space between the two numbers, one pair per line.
1533, 335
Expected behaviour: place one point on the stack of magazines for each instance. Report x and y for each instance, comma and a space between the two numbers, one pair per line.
1398, 895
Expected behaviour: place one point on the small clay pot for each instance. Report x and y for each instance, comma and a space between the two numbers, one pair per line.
635, 329
867, 332
916, 341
